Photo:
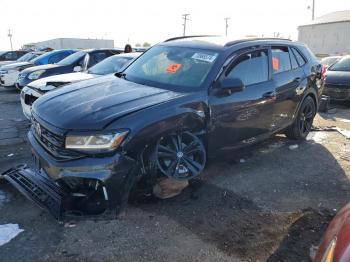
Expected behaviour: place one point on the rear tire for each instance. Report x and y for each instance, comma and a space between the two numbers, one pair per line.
303, 121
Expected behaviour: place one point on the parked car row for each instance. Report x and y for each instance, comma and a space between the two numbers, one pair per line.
11, 55
36, 89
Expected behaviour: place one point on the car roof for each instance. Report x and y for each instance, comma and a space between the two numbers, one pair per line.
132, 55
99, 49
219, 42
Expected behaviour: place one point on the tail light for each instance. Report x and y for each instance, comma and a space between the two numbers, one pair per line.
323, 72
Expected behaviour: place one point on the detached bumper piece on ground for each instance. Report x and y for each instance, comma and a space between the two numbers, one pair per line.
36, 187
54, 197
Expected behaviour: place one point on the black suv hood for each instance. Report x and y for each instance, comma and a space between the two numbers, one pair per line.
93, 104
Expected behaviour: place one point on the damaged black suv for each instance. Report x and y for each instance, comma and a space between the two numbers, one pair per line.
181, 101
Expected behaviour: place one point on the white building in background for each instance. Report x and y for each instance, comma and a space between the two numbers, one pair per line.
74, 43
328, 34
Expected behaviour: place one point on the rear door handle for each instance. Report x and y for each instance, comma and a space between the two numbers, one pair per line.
269, 94
297, 80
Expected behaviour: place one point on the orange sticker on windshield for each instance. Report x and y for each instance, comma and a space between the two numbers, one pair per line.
172, 68
275, 63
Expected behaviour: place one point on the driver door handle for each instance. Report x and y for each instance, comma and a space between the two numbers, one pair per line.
269, 94
297, 80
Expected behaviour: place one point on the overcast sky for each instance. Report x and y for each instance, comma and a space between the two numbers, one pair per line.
152, 20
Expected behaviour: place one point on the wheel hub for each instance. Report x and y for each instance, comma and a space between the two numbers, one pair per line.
180, 154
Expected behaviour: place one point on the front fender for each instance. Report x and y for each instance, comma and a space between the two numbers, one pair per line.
147, 126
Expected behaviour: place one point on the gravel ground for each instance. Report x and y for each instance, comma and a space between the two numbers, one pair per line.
263, 203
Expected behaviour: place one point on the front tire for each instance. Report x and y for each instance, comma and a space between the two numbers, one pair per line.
303, 121
181, 156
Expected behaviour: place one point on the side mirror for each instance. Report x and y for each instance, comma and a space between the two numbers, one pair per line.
232, 84
77, 69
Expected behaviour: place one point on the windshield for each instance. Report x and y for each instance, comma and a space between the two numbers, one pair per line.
341, 65
172, 67
110, 65
27, 57
38, 58
328, 61
72, 58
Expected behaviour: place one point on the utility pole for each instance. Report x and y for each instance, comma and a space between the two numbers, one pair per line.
313, 9
184, 17
10, 36
226, 27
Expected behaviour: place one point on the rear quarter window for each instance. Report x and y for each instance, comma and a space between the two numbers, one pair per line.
301, 60
280, 59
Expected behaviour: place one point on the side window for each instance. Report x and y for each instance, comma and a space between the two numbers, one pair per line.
11, 56
20, 54
299, 57
251, 68
280, 60
96, 58
293, 60
57, 57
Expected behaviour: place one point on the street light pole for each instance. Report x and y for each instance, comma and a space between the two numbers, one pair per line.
184, 17
226, 27
10, 36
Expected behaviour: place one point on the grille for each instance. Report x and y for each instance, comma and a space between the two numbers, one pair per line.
53, 143
22, 76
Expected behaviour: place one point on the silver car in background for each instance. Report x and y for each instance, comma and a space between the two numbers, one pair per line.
38, 88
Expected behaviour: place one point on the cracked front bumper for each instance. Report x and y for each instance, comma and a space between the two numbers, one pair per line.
65, 186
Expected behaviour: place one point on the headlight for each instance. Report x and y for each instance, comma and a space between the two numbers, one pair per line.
36, 74
98, 142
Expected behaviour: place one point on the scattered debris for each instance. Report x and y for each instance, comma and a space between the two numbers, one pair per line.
69, 225
9, 155
293, 147
167, 188
345, 157
8, 232
343, 120
313, 251
344, 132
317, 137
272, 147
3, 197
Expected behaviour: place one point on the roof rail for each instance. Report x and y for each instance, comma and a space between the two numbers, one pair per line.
188, 36
255, 39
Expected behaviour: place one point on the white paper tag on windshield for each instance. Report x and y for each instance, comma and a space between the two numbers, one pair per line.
204, 57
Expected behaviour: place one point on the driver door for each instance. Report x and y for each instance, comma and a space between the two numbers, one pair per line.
241, 117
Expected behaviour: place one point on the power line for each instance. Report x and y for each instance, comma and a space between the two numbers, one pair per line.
184, 17
226, 26
10, 36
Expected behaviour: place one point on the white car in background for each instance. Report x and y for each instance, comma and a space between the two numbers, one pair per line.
9, 70
25, 58
38, 88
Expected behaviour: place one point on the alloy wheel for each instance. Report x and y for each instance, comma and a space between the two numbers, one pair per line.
306, 118
181, 156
